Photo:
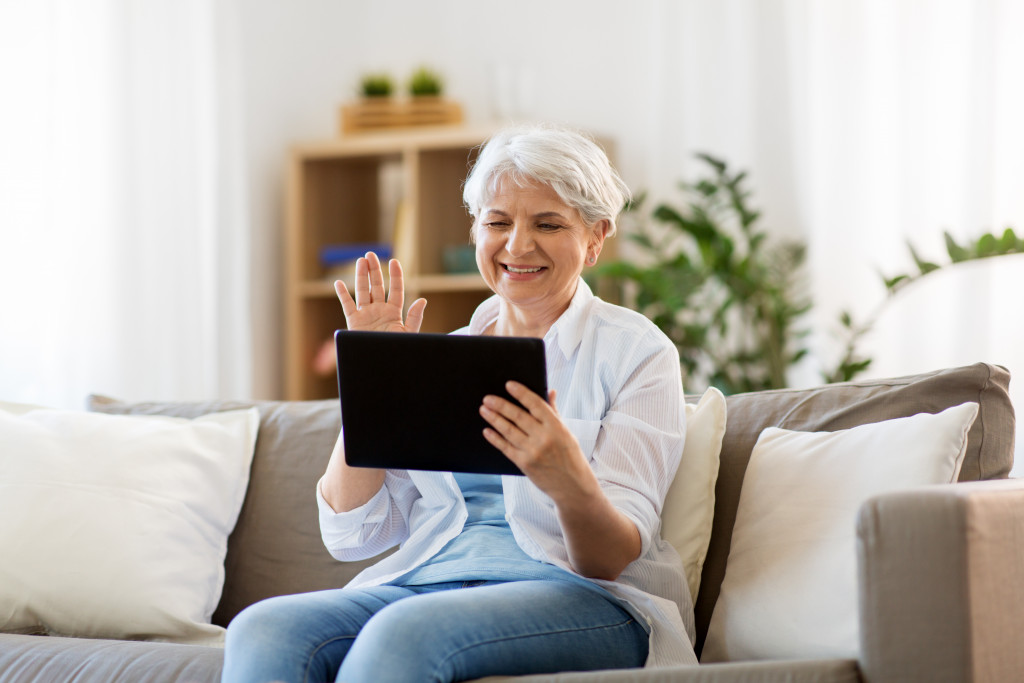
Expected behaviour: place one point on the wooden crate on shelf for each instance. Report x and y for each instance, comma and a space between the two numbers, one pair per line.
379, 114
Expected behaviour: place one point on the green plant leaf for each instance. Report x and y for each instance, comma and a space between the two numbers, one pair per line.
894, 283
731, 302
1009, 243
715, 163
987, 245
924, 266
956, 252
706, 188
643, 239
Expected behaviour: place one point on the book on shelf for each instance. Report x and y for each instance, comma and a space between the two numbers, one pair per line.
339, 260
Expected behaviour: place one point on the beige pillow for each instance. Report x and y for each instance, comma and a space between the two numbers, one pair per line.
115, 526
790, 587
690, 503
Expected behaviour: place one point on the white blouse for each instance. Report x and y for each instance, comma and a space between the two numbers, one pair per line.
620, 392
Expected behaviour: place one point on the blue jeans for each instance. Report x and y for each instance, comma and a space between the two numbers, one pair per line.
434, 633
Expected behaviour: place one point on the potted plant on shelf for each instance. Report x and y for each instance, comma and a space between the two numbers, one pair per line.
425, 83
377, 109
427, 106
376, 85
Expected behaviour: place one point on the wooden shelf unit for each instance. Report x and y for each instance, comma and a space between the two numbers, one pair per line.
348, 190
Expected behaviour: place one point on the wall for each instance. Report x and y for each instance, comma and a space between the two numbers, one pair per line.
862, 124
614, 68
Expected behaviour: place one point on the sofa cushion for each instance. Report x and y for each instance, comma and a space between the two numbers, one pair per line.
831, 407
689, 509
40, 658
275, 548
790, 588
117, 527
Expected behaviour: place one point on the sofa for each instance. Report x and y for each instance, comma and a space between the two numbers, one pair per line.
939, 568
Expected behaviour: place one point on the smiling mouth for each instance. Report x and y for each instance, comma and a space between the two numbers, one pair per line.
521, 271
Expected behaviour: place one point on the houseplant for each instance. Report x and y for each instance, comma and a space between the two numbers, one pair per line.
724, 292
852, 331
731, 298
425, 83
376, 85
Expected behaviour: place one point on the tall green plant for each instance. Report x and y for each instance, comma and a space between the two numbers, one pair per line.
987, 245
727, 295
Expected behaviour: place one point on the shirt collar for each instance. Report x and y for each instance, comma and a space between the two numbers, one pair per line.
566, 332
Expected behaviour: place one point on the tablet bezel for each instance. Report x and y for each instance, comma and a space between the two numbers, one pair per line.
411, 401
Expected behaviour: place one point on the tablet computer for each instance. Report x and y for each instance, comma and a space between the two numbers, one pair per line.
412, 401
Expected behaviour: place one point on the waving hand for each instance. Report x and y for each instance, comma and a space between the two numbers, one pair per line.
371, 310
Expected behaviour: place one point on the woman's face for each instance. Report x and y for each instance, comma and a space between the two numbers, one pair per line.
531, 247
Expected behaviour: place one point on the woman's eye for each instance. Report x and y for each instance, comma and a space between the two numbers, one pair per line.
549, 226
496, 225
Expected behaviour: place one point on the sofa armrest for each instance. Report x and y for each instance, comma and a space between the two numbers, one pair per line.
942, 583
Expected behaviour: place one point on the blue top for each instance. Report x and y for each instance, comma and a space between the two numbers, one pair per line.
486, 549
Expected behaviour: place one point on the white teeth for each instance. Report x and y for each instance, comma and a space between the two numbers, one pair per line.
522, 270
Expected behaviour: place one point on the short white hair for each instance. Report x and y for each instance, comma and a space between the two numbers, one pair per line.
567, 161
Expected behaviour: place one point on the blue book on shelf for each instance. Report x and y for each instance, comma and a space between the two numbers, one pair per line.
336, 254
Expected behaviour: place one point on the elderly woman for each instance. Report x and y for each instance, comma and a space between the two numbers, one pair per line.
562, 569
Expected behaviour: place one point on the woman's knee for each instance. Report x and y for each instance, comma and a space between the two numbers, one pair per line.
395, 645
288, 638
405, 622
253, 621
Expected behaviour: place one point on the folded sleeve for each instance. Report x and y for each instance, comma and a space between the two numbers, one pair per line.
371, 528
641, 438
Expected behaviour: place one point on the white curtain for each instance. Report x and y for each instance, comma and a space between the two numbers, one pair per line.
866, 124
123, 239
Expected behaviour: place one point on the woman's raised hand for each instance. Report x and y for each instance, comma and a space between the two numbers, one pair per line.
372, 310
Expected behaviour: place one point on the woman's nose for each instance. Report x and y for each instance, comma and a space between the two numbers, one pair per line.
520, 241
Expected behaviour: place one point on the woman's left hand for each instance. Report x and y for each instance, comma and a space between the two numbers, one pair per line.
599, 539
538, 442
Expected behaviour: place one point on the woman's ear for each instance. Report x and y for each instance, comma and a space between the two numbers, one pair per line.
597, 237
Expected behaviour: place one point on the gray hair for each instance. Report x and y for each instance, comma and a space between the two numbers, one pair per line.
569, 162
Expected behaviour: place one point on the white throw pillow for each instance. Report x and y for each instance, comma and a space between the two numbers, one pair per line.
116, 526
790, 586
18, 408
690, 503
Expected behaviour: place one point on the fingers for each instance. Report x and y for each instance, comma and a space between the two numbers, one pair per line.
348, 304
373, 307
369, 280
396, 296
538, 407
362, 283
503, 429
376, 277
499, 442
414, 318
511, 421
507, 410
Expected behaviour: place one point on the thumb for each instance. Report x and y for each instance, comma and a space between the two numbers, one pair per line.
414, 319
